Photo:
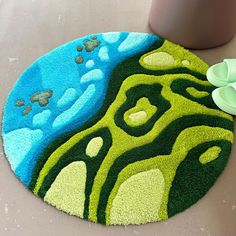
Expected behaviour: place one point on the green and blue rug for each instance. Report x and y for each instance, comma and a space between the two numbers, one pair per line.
117, 128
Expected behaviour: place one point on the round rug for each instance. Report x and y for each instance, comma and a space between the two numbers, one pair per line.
117, 128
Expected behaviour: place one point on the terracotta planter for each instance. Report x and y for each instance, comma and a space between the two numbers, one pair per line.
194, 24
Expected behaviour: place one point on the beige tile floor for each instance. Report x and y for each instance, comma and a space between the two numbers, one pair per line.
30, 28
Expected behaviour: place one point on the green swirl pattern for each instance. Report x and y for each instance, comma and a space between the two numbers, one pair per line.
154, 148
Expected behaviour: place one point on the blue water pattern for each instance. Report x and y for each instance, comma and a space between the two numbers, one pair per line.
78, 91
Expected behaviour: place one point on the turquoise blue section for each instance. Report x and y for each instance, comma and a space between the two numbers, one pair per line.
57, 71
41, 118
69, 95
19, 142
